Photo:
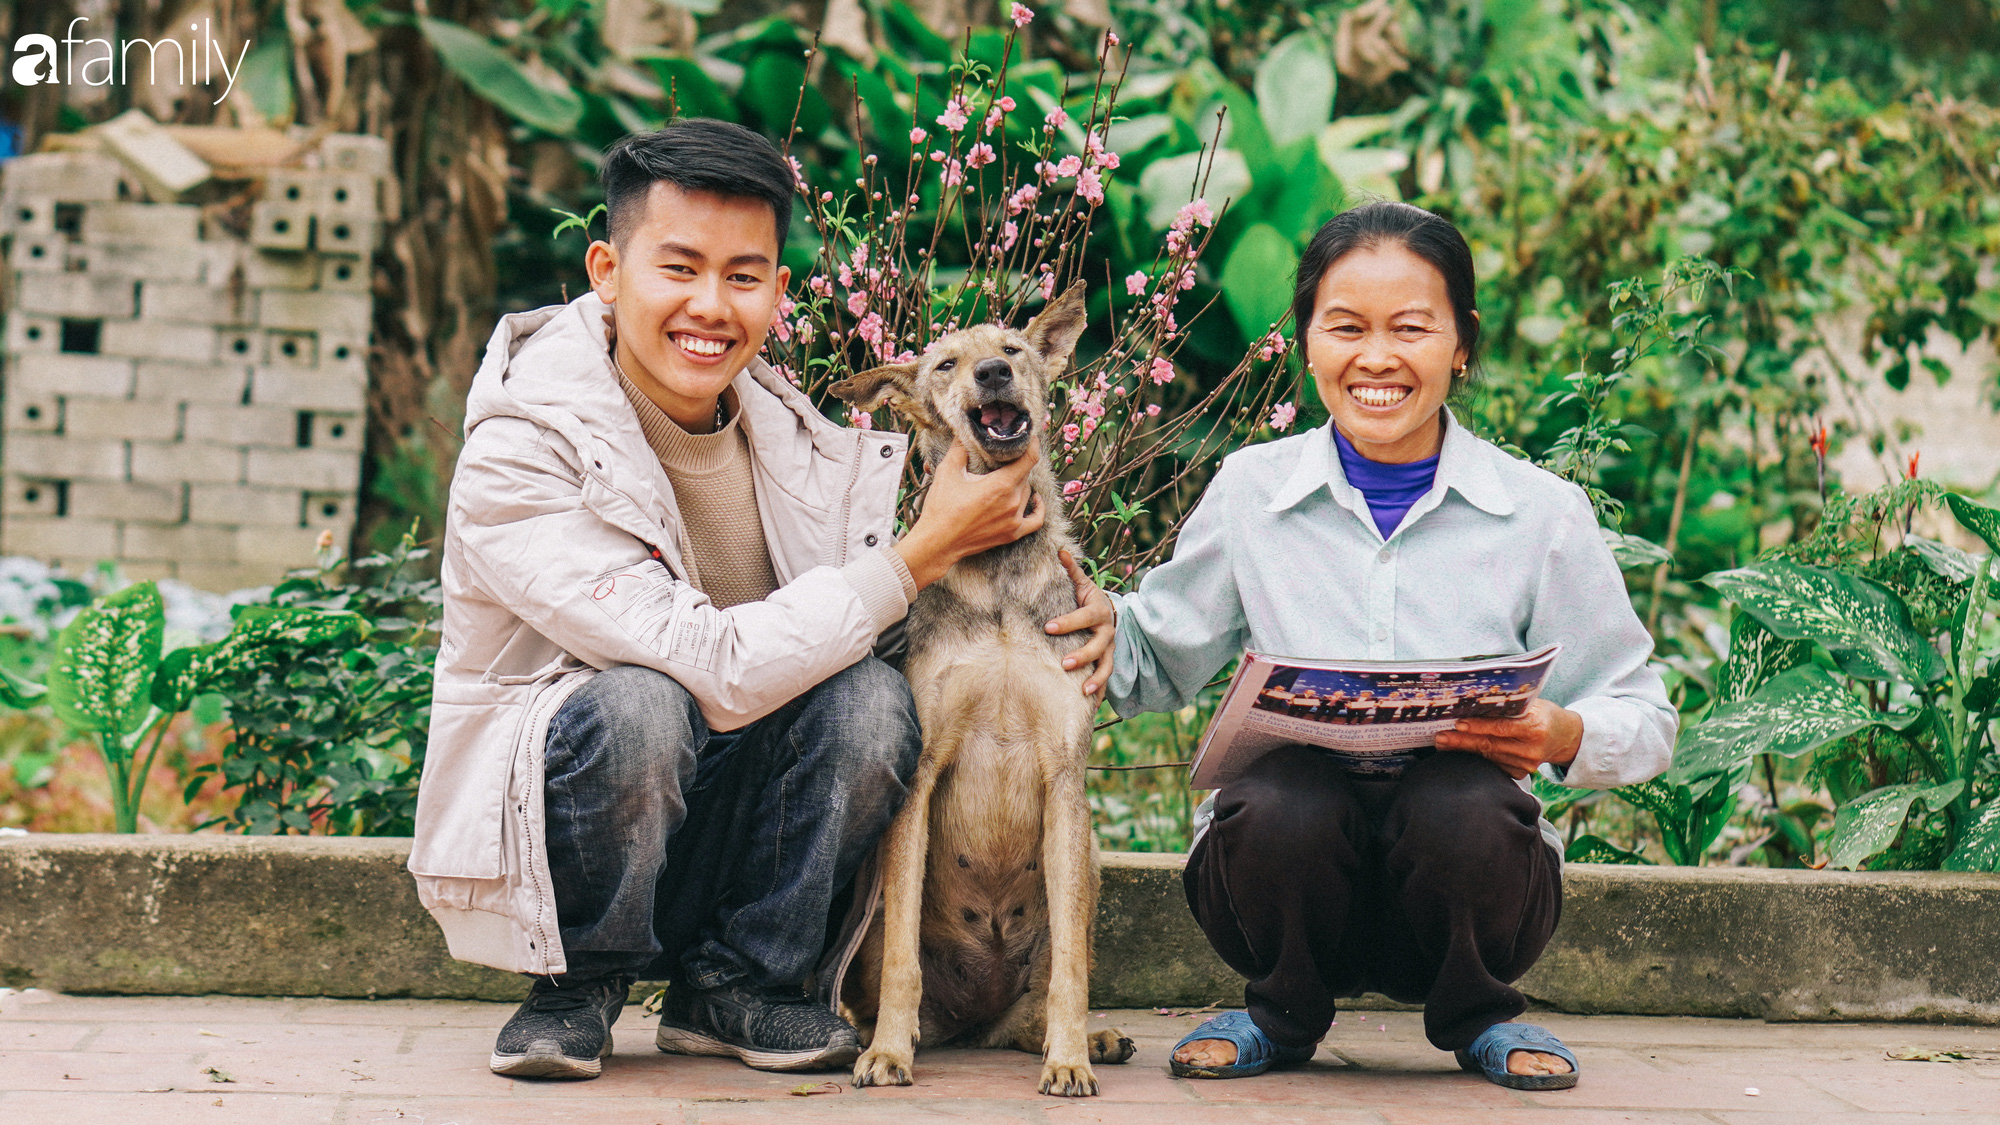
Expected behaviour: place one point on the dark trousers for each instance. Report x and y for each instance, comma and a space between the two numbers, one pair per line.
1436, 887
683, 855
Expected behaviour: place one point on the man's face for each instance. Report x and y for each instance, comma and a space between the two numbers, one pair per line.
694, 285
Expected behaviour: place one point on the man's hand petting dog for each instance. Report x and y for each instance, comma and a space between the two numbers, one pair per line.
1547, 733
1093, 612
965, 514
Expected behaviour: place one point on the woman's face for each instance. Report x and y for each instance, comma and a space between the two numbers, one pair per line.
1383, 347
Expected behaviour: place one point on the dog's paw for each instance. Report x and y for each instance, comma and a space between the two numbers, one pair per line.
1073, 1080
1111, 1046
881, 1068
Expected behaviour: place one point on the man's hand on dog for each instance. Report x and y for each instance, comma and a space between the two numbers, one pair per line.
966, 514
1093, 612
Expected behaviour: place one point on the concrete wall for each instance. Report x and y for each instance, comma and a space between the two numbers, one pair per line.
339, 917
183, 397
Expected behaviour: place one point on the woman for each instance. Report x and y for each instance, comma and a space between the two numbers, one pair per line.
1441, 885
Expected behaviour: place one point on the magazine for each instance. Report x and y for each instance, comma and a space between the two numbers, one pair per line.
1375, 717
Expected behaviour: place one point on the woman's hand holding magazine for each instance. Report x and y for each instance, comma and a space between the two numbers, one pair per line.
1376, 717
1547, 733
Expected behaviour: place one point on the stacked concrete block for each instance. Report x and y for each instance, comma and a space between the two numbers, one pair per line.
181, 399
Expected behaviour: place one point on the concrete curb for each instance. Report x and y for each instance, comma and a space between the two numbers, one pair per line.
307, 916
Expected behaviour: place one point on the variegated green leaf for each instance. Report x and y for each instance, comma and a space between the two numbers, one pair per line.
1868, 825
1839, 611
1556, 797
1632, 552
18, 693
105, 660
185, 671
1945, 560
1658, 796
1979, 850
1596, 849
1756, 657
1977, 518
1799, 711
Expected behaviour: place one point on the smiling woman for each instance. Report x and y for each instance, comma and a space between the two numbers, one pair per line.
1385, 297
1392, 534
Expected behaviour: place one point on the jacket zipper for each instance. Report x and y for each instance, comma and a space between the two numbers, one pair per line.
847, 498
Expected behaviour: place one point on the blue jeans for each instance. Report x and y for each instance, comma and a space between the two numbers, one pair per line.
682, 855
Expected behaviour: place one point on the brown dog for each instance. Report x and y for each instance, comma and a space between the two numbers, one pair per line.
990, 870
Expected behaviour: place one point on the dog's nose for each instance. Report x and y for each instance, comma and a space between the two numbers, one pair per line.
993, 374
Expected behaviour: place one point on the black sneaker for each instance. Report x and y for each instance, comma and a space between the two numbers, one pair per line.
766, 1032
561, 1032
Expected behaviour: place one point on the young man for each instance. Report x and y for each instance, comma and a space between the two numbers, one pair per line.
661, 747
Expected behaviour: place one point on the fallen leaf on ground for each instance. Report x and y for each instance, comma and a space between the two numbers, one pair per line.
811, 1088
215, 1075
1944, 1054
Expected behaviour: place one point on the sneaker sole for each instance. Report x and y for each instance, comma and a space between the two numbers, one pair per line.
685, 1041
548, 1064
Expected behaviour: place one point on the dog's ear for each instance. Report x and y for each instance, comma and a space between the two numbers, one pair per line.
892, 386
1053, 333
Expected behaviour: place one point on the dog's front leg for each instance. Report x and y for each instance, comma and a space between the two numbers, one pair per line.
1072, 888
891, 1053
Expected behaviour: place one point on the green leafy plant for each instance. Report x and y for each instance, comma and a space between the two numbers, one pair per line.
109, 682
328, 726
1880, 672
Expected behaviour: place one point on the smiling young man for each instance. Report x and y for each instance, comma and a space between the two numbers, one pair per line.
661, 746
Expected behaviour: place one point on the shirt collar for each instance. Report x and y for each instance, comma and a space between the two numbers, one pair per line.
1465, 466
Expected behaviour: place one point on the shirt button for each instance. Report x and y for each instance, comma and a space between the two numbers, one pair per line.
888, 450
870, 540
1385, 556
1381, 633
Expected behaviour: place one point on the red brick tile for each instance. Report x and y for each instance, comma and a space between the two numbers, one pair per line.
503, 1110
196, 1037
1898, 1087
1115, 1113
1395, 1115
25, 1035
112, 1072
166, 1109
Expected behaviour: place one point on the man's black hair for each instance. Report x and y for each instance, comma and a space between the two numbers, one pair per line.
695, 154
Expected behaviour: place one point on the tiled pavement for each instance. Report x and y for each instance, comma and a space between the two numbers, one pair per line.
137, 1061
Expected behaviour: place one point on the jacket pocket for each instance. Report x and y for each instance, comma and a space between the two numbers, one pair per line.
462, 800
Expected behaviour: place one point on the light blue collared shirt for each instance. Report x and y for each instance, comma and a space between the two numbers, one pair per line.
1282, 557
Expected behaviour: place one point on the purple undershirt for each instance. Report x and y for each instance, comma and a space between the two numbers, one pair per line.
1389, 489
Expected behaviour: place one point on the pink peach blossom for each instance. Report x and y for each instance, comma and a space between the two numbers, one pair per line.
954, 116
1021, 14
1136, 284
1162, 371
1090, 186
1283, 415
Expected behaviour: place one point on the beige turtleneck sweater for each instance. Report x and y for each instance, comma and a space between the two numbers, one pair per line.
727, 557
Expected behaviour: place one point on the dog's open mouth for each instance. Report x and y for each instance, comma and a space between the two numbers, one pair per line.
999, 423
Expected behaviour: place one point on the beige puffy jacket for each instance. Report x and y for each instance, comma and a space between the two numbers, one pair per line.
548, 576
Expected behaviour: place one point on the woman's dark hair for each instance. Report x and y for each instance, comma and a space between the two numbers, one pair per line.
1422, 233
695, 154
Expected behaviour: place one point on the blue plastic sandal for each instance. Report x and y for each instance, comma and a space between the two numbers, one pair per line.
1255, 1053
1488, 1055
